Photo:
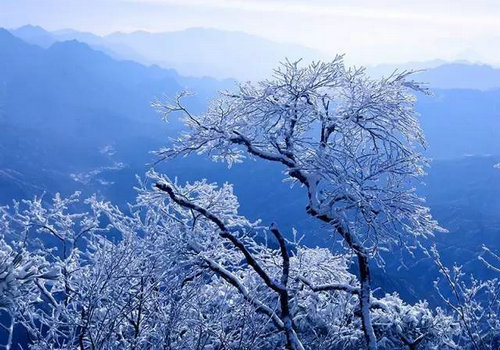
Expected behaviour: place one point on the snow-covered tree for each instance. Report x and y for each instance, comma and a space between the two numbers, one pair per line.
351, 141
117, 281
22, 275
312, 289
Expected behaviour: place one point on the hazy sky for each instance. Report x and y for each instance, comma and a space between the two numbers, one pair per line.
368, 31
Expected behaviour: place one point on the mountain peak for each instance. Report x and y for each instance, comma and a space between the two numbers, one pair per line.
460, 75
4, 33
73, 43
34, 35
7, 38
29, 28
78, 51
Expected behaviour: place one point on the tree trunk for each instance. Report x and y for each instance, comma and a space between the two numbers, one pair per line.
10, 331
364, 301
364, 273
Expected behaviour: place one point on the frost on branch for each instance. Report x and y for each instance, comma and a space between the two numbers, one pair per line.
24, 276
352, 141
490, 259
413, 326
474, 303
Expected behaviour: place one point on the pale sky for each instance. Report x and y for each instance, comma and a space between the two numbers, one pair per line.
367, 31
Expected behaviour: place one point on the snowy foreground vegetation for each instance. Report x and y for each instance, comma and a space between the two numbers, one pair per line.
181, 269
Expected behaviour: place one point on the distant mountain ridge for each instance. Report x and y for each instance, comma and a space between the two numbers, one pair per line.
227, 54
461, 76
192, 52
439, 74
213, 52
38, 36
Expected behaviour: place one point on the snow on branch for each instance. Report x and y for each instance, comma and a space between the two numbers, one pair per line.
351, 140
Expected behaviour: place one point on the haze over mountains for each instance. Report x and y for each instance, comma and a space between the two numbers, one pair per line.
439, 74
192, 52
76, 115
62, 107
230, 54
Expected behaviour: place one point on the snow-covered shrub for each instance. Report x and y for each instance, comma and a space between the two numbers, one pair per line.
168, 275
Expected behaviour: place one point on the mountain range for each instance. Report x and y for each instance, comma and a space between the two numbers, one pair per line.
231, 54
192, 52
60, 106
